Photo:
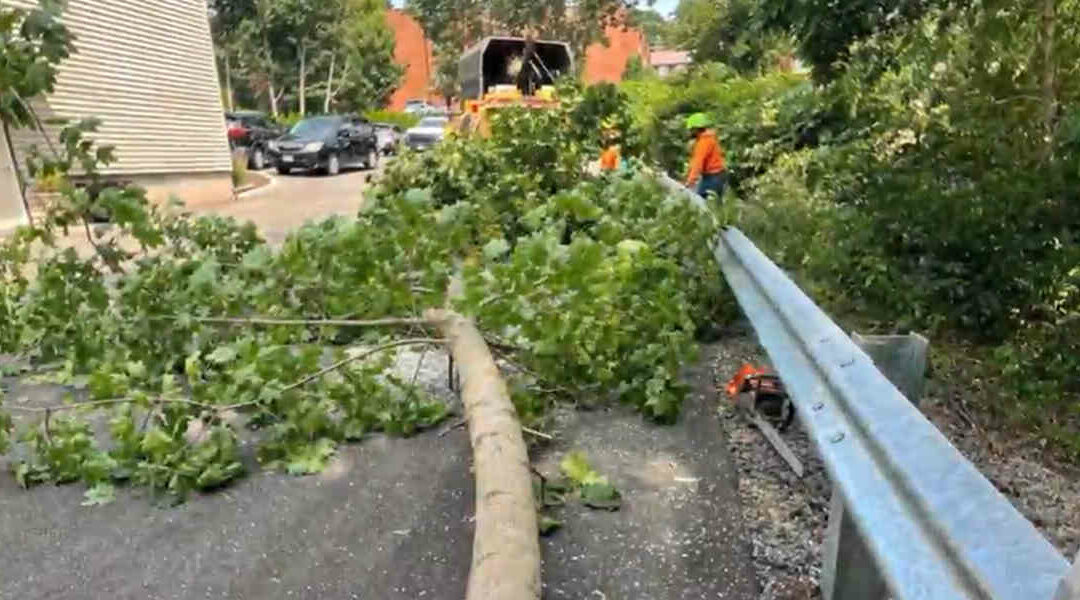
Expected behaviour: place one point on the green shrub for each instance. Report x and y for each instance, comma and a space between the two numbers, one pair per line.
757, 119
401, 119
919, 190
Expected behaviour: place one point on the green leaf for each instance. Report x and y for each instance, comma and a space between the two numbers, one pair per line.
496, 249
601, 495
23, 475
157, 443
216, 475
99, 495
418, 197
205, 275
258, 259
135, 369
311, 458
549, 525
555, 493
222, 355
576, 468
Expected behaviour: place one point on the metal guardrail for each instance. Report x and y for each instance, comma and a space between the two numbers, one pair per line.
926, 523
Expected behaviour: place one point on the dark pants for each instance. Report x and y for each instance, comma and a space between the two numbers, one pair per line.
713, 183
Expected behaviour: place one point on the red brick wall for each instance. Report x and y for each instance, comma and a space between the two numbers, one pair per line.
607, 63
414, 52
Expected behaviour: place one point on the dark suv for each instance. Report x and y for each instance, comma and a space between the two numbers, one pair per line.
327, 144
252, 131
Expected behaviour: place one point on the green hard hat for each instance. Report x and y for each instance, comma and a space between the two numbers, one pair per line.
697, 121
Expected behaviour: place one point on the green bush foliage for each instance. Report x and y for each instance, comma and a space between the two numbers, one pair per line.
926, 186
401, 119
757, 118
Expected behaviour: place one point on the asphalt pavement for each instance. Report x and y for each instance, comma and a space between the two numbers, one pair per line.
290, 200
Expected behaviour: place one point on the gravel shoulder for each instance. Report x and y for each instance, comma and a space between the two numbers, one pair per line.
786, 516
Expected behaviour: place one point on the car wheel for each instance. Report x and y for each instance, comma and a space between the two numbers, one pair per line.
283, 170
333, 164
258, 159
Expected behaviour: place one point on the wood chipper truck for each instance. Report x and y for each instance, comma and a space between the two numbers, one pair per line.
505, 71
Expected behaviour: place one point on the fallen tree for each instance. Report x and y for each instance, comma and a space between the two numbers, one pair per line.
591, 287
506, 551
182, 332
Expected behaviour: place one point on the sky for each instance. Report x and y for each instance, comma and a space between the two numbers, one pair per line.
664, 7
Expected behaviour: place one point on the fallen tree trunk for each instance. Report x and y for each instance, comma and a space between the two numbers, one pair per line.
506, 547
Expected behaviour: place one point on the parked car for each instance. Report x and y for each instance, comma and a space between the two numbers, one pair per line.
417, 107
389, 137
327, 144
427, 133
252, 131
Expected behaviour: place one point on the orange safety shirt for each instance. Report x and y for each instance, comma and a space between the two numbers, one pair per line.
706, 158
609, 160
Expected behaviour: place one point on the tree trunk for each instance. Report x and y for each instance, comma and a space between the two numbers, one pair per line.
260, 9
506, 548
1049, 75
272, 93
228, 83
1049, 72
329, 85
303, 79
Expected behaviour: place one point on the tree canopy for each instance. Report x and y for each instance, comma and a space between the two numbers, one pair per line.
280, 53
656, 28
925, 178
34, 43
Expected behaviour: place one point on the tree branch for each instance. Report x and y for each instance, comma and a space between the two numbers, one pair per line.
113, 265
351, 359
48, 410
45, 427
538, 434
389, 322
37, 122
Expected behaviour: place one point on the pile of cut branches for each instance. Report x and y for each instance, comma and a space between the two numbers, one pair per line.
178, 331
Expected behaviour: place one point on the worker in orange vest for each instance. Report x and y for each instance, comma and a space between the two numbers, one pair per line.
707, 173
611, 158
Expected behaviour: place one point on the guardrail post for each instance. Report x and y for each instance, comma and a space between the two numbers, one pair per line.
849, 572
1070, 586
900, 358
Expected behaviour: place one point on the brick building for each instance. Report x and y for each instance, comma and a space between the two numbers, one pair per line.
667, 62
415, 53
607, 63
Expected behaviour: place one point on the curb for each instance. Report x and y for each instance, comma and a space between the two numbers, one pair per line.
249, 190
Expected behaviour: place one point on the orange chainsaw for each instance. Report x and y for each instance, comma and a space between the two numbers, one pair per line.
757, 389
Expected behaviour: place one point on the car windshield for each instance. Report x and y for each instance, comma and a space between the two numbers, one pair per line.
314, 128
432, 122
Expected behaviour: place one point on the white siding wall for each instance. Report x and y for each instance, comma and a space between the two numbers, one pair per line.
146, 69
